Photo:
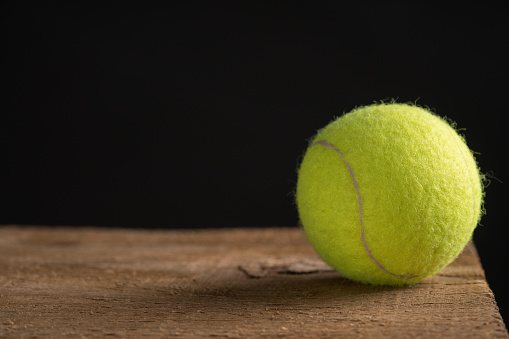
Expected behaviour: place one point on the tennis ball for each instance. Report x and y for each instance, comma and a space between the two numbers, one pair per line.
389, 194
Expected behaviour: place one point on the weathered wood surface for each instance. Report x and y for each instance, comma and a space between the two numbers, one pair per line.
92, 282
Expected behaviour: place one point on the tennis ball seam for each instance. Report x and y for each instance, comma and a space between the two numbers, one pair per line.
326, 144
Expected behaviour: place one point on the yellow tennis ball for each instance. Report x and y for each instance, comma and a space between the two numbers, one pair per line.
389, 194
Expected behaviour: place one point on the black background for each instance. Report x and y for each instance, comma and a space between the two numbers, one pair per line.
192, 115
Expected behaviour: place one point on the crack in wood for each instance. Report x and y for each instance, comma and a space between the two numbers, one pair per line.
262, 268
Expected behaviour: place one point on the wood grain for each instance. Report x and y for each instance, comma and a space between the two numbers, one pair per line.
232, 283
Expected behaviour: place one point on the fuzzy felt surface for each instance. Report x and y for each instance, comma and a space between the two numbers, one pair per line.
389, 194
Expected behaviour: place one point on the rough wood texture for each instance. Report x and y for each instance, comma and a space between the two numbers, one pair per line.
87, 282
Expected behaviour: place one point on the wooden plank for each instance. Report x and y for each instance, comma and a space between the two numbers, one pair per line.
235, 283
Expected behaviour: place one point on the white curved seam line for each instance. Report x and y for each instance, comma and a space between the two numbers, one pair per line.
327, 144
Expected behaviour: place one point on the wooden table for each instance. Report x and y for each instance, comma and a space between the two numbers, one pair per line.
233, 283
